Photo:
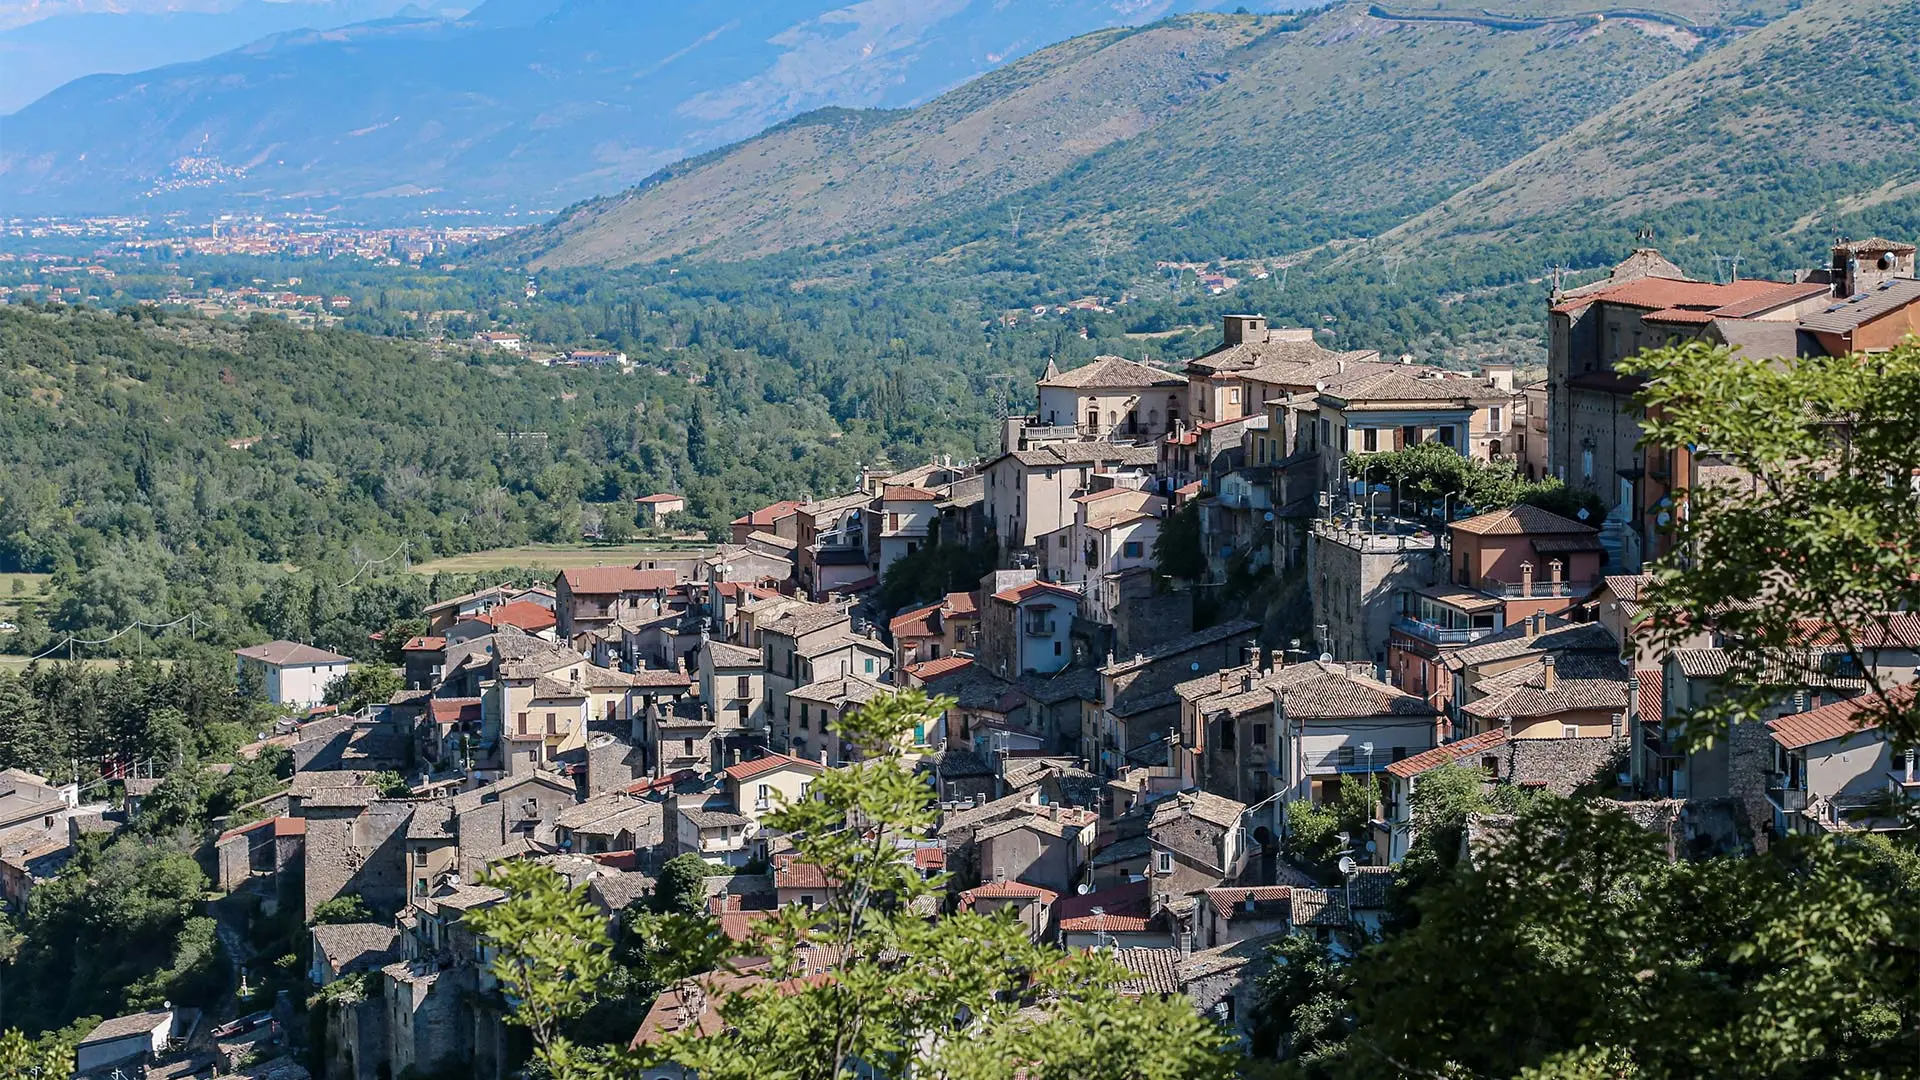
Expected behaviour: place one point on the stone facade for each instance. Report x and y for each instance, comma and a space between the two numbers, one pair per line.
1563, 765
360, 851
1357, 579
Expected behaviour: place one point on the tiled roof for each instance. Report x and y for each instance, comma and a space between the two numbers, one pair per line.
660, 677
1204, 805
761, 766
1273, 349
284, 653
1656, 293
431, 821
1450, 752
1370, 887
598, 580
916, 623
1842, 718
662, 497
714, 819
1007, 890
356, 944
1700, 663
121, 1027
727, 655
907, 494
1898, 630
1331, 691
524, 614
767, 516
1155, 971
1112, 373
1085, 453
546, 689
848, 689
928, 670
801, 620
1560, 636
1402, 384
1519, 520
1318, 907
1778, 296
1268, 901
424, 643
1036, 588
1122, 908
1184, 643
1578, 686
1861, 308
790, 873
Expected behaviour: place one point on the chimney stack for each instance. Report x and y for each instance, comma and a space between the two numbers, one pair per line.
1548, 677
1253, 653
1226, 681
823, 757
1276, 659
1553, 571
1526, 579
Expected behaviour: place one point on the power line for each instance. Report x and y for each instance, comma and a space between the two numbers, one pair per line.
364, 567
122, 632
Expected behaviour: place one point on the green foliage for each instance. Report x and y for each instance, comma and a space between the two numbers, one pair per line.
144, 897
27, 1059
1574, 945
342, 909
1303, 1007
364, 685
1177, 551
1435, 476
551, 952
1819, 536
931, 573
680, 888
390, 785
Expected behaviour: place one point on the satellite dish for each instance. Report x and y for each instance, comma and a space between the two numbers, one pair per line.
1348, 866
1269, 515
1084, 889
1326, 658
1371, 847
1195, 666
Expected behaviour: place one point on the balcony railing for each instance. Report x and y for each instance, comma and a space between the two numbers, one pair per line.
1535, 589
1790, 800
1440, 635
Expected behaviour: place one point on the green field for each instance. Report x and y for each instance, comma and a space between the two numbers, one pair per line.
17, 589
19, 663
551, 556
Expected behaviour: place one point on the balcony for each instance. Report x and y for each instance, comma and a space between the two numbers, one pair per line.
1535, 590
1790, 800
1436, 634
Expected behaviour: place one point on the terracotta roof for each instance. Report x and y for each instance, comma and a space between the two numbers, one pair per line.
915, 623
121, 1027
1839, 719
1007, 890
928, 670
806, 619
1778, 296
1035, 588
726, 655
285, 653
1453, 751
595, 580
907, 494
424, 643
1204, 805
662, 497
1652, 697
524, 614
768, 516
790, 873
1112, 373
1687, 316
1155, 971
1657, 293
1403, 385
930, 858
1331, 691
1123, 908
1519, 520
761, 766
1899, 629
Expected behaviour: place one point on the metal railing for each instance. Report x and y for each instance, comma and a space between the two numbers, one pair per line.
1535, 589
1440, 635
1789, 799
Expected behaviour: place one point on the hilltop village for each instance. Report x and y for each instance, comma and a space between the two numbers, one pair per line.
1122, 758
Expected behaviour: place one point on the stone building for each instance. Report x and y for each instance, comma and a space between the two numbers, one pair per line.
1360, 574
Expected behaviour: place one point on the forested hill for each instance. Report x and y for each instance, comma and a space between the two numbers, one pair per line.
1197, 137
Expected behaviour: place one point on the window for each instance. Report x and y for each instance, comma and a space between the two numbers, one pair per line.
869, 665
553, 723
1131, 549
1569, 731
803, 718
1586, 463
1446, 436
893, 522
806, 901
743, 686
419, 886
686, 747
1493, 419
806, 786
1345, 757
1325, 428
1370, 440
523, 723
1166, 862
920, 734
764, 796
1233, 395
1260, 736
420, 856
1063, 539
1056, 648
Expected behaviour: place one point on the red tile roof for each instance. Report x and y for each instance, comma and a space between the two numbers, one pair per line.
1007, 890
907, 494
1453, 751
961, 603
453, 710
1652, 697
1655, 293
1230, 902
790, 873
1519, 520
930, 858
660, 677
928, 670
915, 623
768, 516
613, 579
281, 826
1032, 588
663, 497
738, 925
1124, 907
761, 766
424, 643
524, 614
1838, 719
1901, 629
1773, 298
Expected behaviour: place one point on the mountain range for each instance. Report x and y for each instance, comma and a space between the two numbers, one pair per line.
1352, 136
517, 103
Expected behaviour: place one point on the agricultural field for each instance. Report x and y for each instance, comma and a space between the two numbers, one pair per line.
552, 556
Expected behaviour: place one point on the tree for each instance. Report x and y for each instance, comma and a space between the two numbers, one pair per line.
1573, 940
1177, 550
680, 888
342, 909
1812, 532
365, 685
390, 785
906, 993
551, 953
23, 1059
1304, 1006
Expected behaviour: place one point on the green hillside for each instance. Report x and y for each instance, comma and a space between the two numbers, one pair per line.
1194, 137
1764, 149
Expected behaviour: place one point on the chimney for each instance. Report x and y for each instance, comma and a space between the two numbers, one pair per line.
979, 797
1186, 945
823, 758
1246, 681
1276, 659
1226, 681
1253, 653
1553, 571
1910, 756
1340, 366
1548, 677
1526, 579
733, 756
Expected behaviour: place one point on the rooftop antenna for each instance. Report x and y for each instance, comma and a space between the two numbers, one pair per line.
1645, 236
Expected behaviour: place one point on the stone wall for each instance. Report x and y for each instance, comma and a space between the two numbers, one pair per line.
1563, 765
360, 852
613, 762
356, 1047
